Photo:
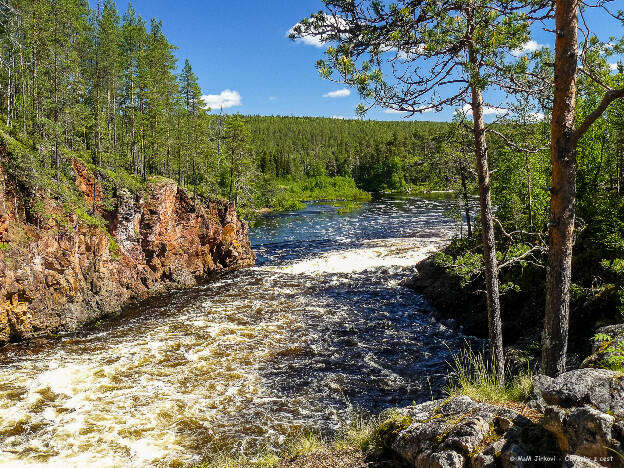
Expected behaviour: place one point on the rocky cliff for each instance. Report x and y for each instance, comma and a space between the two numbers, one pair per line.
61, 267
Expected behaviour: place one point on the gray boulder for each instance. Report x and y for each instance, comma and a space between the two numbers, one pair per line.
599, 388
464, 433
583, 409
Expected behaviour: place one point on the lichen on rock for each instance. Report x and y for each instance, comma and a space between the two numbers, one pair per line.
80, 265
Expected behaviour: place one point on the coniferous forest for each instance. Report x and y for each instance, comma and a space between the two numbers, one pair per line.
104, 86
536, 192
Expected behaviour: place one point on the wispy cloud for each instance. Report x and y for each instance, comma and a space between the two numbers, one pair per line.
338, 93
487, 110
224, 100
419, 109
527, 48
318, 41
272, 98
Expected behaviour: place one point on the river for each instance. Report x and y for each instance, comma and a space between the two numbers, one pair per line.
318, 330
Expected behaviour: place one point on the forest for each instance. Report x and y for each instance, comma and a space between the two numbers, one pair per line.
104, 87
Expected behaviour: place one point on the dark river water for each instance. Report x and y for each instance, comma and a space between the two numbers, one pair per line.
319, 330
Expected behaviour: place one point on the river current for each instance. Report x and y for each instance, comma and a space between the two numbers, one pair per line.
319, 330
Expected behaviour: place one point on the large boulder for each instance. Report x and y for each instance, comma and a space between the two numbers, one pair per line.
598, 388
584, 410
459, 432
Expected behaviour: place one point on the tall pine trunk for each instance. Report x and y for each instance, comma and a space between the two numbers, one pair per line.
34, 77
489, 241
563, 190
466, 204
527, 163
23, 88
487, 223
57, 160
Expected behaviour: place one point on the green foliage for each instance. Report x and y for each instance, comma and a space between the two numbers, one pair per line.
89, 220
113, 247
329, 188
379, 156
474, 375
465, 265
613, 351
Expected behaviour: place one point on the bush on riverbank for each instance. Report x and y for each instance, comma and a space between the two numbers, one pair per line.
289, 194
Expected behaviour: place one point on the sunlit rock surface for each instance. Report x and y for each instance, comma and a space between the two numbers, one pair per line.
575, 420
244, 363
61, 270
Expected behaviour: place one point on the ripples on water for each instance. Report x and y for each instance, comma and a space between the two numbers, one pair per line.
318, 329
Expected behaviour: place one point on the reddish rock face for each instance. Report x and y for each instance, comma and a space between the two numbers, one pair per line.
60, 271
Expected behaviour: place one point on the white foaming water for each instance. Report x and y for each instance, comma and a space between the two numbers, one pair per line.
378, 253
237, 365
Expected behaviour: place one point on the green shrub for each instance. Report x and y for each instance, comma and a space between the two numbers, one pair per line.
613, 349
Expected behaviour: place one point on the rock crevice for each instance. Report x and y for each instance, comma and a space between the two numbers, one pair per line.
60, 269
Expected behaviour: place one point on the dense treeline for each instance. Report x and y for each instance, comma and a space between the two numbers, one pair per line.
378, 155
106, 87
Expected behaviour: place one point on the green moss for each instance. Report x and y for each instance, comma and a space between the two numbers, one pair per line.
113, 247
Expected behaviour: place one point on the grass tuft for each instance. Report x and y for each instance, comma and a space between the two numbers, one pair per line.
265, 460
475, 376
305, 444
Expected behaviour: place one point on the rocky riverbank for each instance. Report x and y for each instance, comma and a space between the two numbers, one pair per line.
61, 268
575, 420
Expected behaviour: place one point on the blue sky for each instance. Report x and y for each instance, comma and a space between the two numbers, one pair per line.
241, 46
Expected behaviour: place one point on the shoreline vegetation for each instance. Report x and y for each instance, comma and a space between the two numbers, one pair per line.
367, 441
339, 191
95, 110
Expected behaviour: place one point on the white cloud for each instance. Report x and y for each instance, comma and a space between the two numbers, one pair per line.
227, 98
527, 48
536, 116
338, 94
419, 49
418, 109
319, 41
339, 117
487, 110
613, 66
315, 41
272, 98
